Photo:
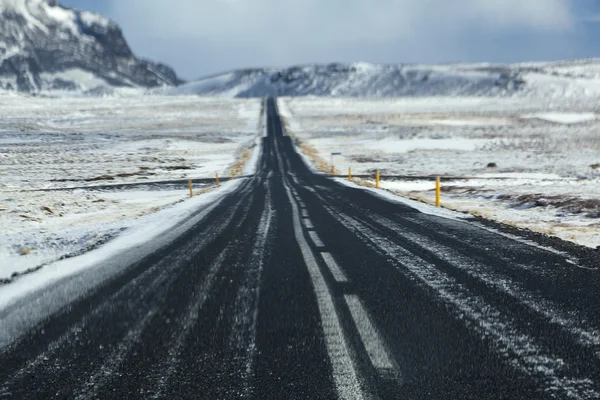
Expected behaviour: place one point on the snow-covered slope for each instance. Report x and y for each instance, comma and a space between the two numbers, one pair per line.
564, 79
44, 46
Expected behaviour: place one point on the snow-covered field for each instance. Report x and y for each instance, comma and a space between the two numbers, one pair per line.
530, 163
77, 144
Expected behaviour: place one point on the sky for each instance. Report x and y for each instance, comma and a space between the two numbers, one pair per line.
203, 37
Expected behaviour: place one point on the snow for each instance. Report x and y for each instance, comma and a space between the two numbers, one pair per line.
564, 118
85, 79
210, 86
146, 229
546, 175
62, 16
9, 52
393, 145
37, 12
570, 80
24, 8
422, 207
78, 145
89, 19
472, 122
408, 186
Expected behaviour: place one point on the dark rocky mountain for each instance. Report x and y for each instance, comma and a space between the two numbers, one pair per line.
45, 46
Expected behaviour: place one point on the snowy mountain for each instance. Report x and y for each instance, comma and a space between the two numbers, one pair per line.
44, 46
572, 78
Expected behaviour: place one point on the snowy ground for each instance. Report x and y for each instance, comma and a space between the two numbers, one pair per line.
534, 164
80, 143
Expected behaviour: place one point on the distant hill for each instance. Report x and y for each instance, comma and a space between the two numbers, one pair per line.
570, 78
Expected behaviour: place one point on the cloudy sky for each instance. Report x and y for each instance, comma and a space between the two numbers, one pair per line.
200, 37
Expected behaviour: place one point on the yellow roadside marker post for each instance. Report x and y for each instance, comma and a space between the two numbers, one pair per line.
191, 187
377, 177
217, 180
349, 173
438, 192
232, 175
332, 165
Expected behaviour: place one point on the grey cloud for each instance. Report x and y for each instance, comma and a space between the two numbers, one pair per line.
209, 36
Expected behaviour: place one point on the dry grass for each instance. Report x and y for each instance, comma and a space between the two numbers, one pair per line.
311, 152
363, 182
242, 157
206, 190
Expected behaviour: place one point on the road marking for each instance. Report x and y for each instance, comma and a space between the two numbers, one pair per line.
316, 239
344, 373
302, 205
569, 320
337, 273
520, 350
304, 213
308, 223
373, 342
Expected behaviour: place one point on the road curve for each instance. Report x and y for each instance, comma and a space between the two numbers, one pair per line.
297, 287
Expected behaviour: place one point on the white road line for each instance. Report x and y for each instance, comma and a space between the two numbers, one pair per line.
316, 239
302, 205
373, 342
344, 373
338, 274
304, 213
569, 319
308, 223
521, 350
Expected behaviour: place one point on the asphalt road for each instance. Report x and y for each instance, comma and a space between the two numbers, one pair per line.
297, 287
